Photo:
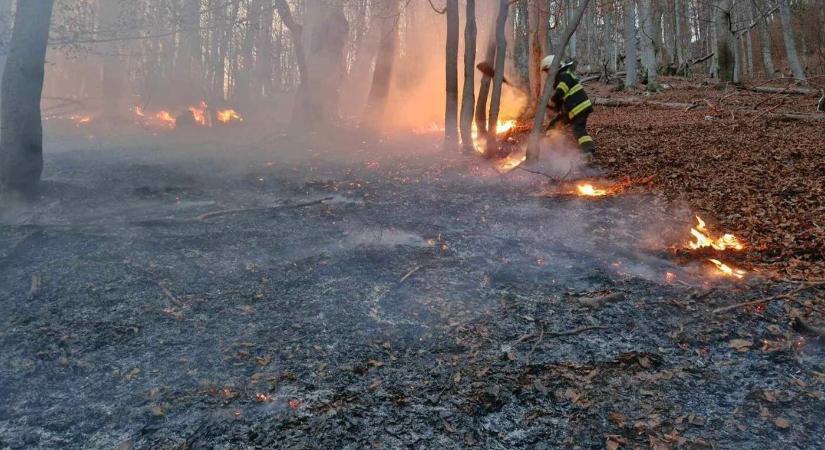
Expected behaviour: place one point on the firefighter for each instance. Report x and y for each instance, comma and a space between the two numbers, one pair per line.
571, 104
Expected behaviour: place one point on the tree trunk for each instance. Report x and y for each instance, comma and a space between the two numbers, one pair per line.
113, 66
188, 62
609, 39
300, 111
264, 52
534, 141
498, 80
725, 43
790, 43
384, 62
5, 32
484, 87
630, 44
536, 41
451, 105
21, 132
468, 94
243, 81
648, 44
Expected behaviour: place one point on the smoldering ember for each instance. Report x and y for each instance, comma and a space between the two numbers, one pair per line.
428, 224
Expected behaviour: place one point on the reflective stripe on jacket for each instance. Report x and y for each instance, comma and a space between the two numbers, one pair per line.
570, 94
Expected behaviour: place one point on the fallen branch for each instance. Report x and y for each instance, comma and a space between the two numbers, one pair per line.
797, 116
787, 90
410, 273
226, 212
620, 102
576, 331
595, 302
786, 296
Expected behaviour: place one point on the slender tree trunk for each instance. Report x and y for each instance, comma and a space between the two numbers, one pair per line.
188, 63
647, 38
300, 111
384, 62
498, 80
243, 81
113, 66
609, 39
630, 44
484, 87
451, 106
534, 141
6, 21
264, 51
468, 94
789, 39
535, 25
21, 129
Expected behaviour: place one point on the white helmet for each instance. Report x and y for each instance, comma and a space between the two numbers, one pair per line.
547, 62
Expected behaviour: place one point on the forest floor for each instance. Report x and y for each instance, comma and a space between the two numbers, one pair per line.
396, 296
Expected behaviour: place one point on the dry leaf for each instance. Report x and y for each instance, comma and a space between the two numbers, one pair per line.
740, 345
617, 418
157, 410
782, 423
132, 374
614, 442
769, 395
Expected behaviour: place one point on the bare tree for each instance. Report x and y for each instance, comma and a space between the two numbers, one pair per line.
300, 112
764, 39
5, 31
725, 42
630, 44
538, 17
790, 41
647, 39
384, 62
534, 142
21, 129
468, 93
451, 106
498, 80
484, 87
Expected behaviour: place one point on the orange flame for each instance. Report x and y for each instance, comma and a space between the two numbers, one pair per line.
228, 115
199, 113
726, 270
703, 239
588, 190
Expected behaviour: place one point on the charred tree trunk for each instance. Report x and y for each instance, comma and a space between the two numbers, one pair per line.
468, 94
113, 67
536, 40
243, 81
498, 80
484, 88
451, 106
188, 62
264, 51
21, 132
790, 42
384, 62
534, 143
630, 44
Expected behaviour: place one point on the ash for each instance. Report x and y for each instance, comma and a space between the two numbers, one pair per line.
402, 300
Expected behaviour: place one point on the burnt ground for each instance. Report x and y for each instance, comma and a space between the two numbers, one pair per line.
428, 303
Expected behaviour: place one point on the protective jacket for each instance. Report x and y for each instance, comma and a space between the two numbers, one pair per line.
570, 97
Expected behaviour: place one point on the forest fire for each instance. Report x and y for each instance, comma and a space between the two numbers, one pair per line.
197, 115
726, 270
587, 190
228, 115
703, 239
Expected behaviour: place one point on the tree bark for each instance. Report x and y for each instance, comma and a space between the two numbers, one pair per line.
21, 132
648, 44
264, 51
534, 141
384, 62
764, 40
300, 111
498, 80
725, 43
468, 94
790, 43
188, 62
6, 20
451, 105
536, 40
484, 87
630, 44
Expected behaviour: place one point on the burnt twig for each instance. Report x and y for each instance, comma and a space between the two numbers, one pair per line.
785, 296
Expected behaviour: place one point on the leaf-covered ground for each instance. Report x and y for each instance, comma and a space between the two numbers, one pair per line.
752, 174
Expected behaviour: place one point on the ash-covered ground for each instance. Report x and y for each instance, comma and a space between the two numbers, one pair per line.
398, 297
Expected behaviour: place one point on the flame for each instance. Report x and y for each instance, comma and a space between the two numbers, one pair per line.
199, 113
80, 120
700, 233
587, 190
505, 126
228, 115
726, 270
164, 118
511, 161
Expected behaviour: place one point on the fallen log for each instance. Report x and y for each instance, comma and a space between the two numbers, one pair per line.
787, 90
796, 116
620, 102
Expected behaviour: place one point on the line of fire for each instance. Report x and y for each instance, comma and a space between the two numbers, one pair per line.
457, 224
